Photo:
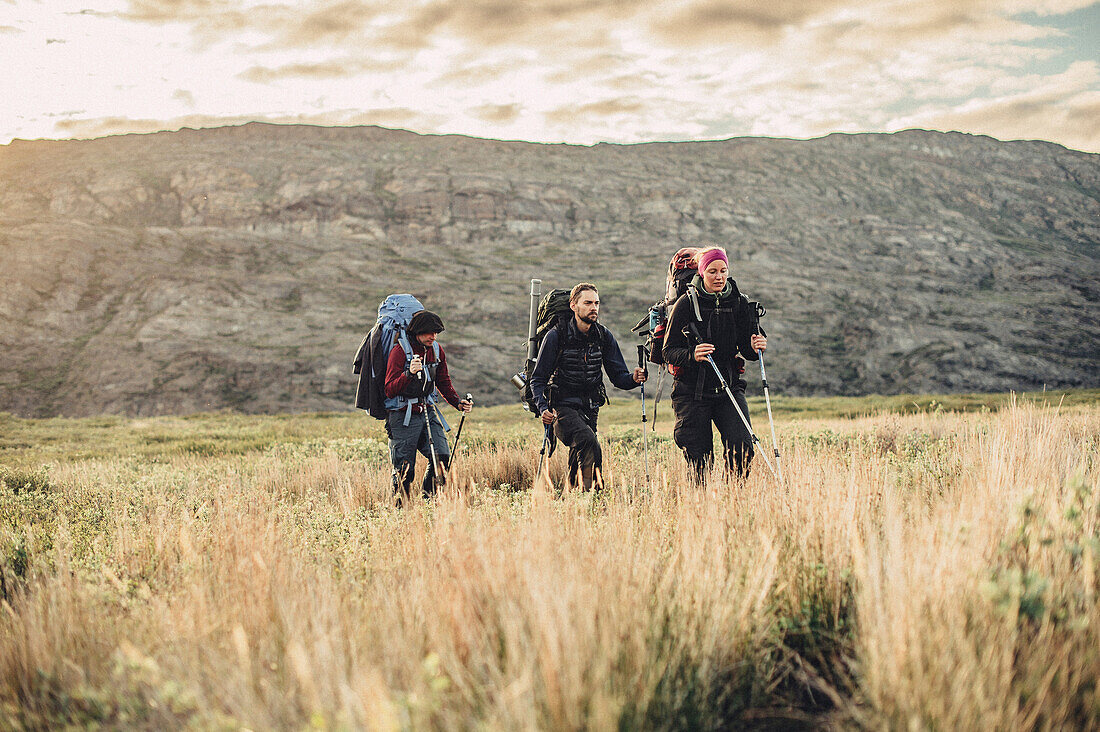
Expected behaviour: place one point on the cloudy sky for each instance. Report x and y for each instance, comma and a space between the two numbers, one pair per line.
579, 71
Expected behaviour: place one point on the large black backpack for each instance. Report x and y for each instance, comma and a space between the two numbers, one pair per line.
553, 311
681, 270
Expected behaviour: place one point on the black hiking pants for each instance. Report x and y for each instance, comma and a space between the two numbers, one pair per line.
577, 429
693, 435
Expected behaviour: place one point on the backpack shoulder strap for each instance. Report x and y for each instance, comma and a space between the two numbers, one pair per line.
605, 335
561, 330
693, 296
403, 340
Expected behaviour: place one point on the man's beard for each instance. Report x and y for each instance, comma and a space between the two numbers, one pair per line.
590, 318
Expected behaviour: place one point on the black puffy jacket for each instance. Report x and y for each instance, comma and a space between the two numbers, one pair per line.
570, 367
728, 322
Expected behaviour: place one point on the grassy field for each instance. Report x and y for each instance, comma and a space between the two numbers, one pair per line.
929, 563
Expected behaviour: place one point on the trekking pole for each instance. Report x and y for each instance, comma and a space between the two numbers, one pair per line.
542, 453
771, 422
458, 434
755, 439
645, 438
657, 395
767, 395
437, 475
694, 333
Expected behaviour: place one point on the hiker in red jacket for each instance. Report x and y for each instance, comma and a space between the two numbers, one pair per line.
411, 386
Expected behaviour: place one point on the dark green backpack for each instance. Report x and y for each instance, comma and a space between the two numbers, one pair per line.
553, 307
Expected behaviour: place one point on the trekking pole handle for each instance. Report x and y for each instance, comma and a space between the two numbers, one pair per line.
461, 422
641, 358
761, 311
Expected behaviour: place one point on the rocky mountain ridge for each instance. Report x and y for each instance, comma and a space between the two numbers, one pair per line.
239, 267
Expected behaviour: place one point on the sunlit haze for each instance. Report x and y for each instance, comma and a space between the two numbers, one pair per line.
556, 70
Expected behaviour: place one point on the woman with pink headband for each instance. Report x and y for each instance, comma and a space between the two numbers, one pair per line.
713, 319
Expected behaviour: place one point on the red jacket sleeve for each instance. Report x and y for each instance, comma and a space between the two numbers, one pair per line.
443, 381
396, 378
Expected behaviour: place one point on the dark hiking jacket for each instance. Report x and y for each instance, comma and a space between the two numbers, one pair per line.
728, 322
570, 367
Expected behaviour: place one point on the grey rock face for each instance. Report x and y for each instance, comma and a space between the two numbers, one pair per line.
240, 267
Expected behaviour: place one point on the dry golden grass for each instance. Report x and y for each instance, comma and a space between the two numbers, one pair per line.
931, 571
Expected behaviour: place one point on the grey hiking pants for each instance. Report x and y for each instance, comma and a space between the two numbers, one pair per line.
406, 441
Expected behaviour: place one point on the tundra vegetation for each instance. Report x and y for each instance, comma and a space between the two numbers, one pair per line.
931, 563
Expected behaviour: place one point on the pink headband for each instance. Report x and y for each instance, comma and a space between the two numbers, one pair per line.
709, 256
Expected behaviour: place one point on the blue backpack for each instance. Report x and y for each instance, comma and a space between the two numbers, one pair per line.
394, 315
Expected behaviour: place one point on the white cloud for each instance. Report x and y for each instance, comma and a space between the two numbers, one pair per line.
184, 96
551, 70
1069, 102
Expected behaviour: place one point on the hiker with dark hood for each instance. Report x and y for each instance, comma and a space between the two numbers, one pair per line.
712, 319
567, 382
411, 387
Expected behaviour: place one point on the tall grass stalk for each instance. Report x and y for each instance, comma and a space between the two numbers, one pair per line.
931, 571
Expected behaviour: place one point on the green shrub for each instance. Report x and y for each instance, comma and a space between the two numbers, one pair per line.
19, 480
